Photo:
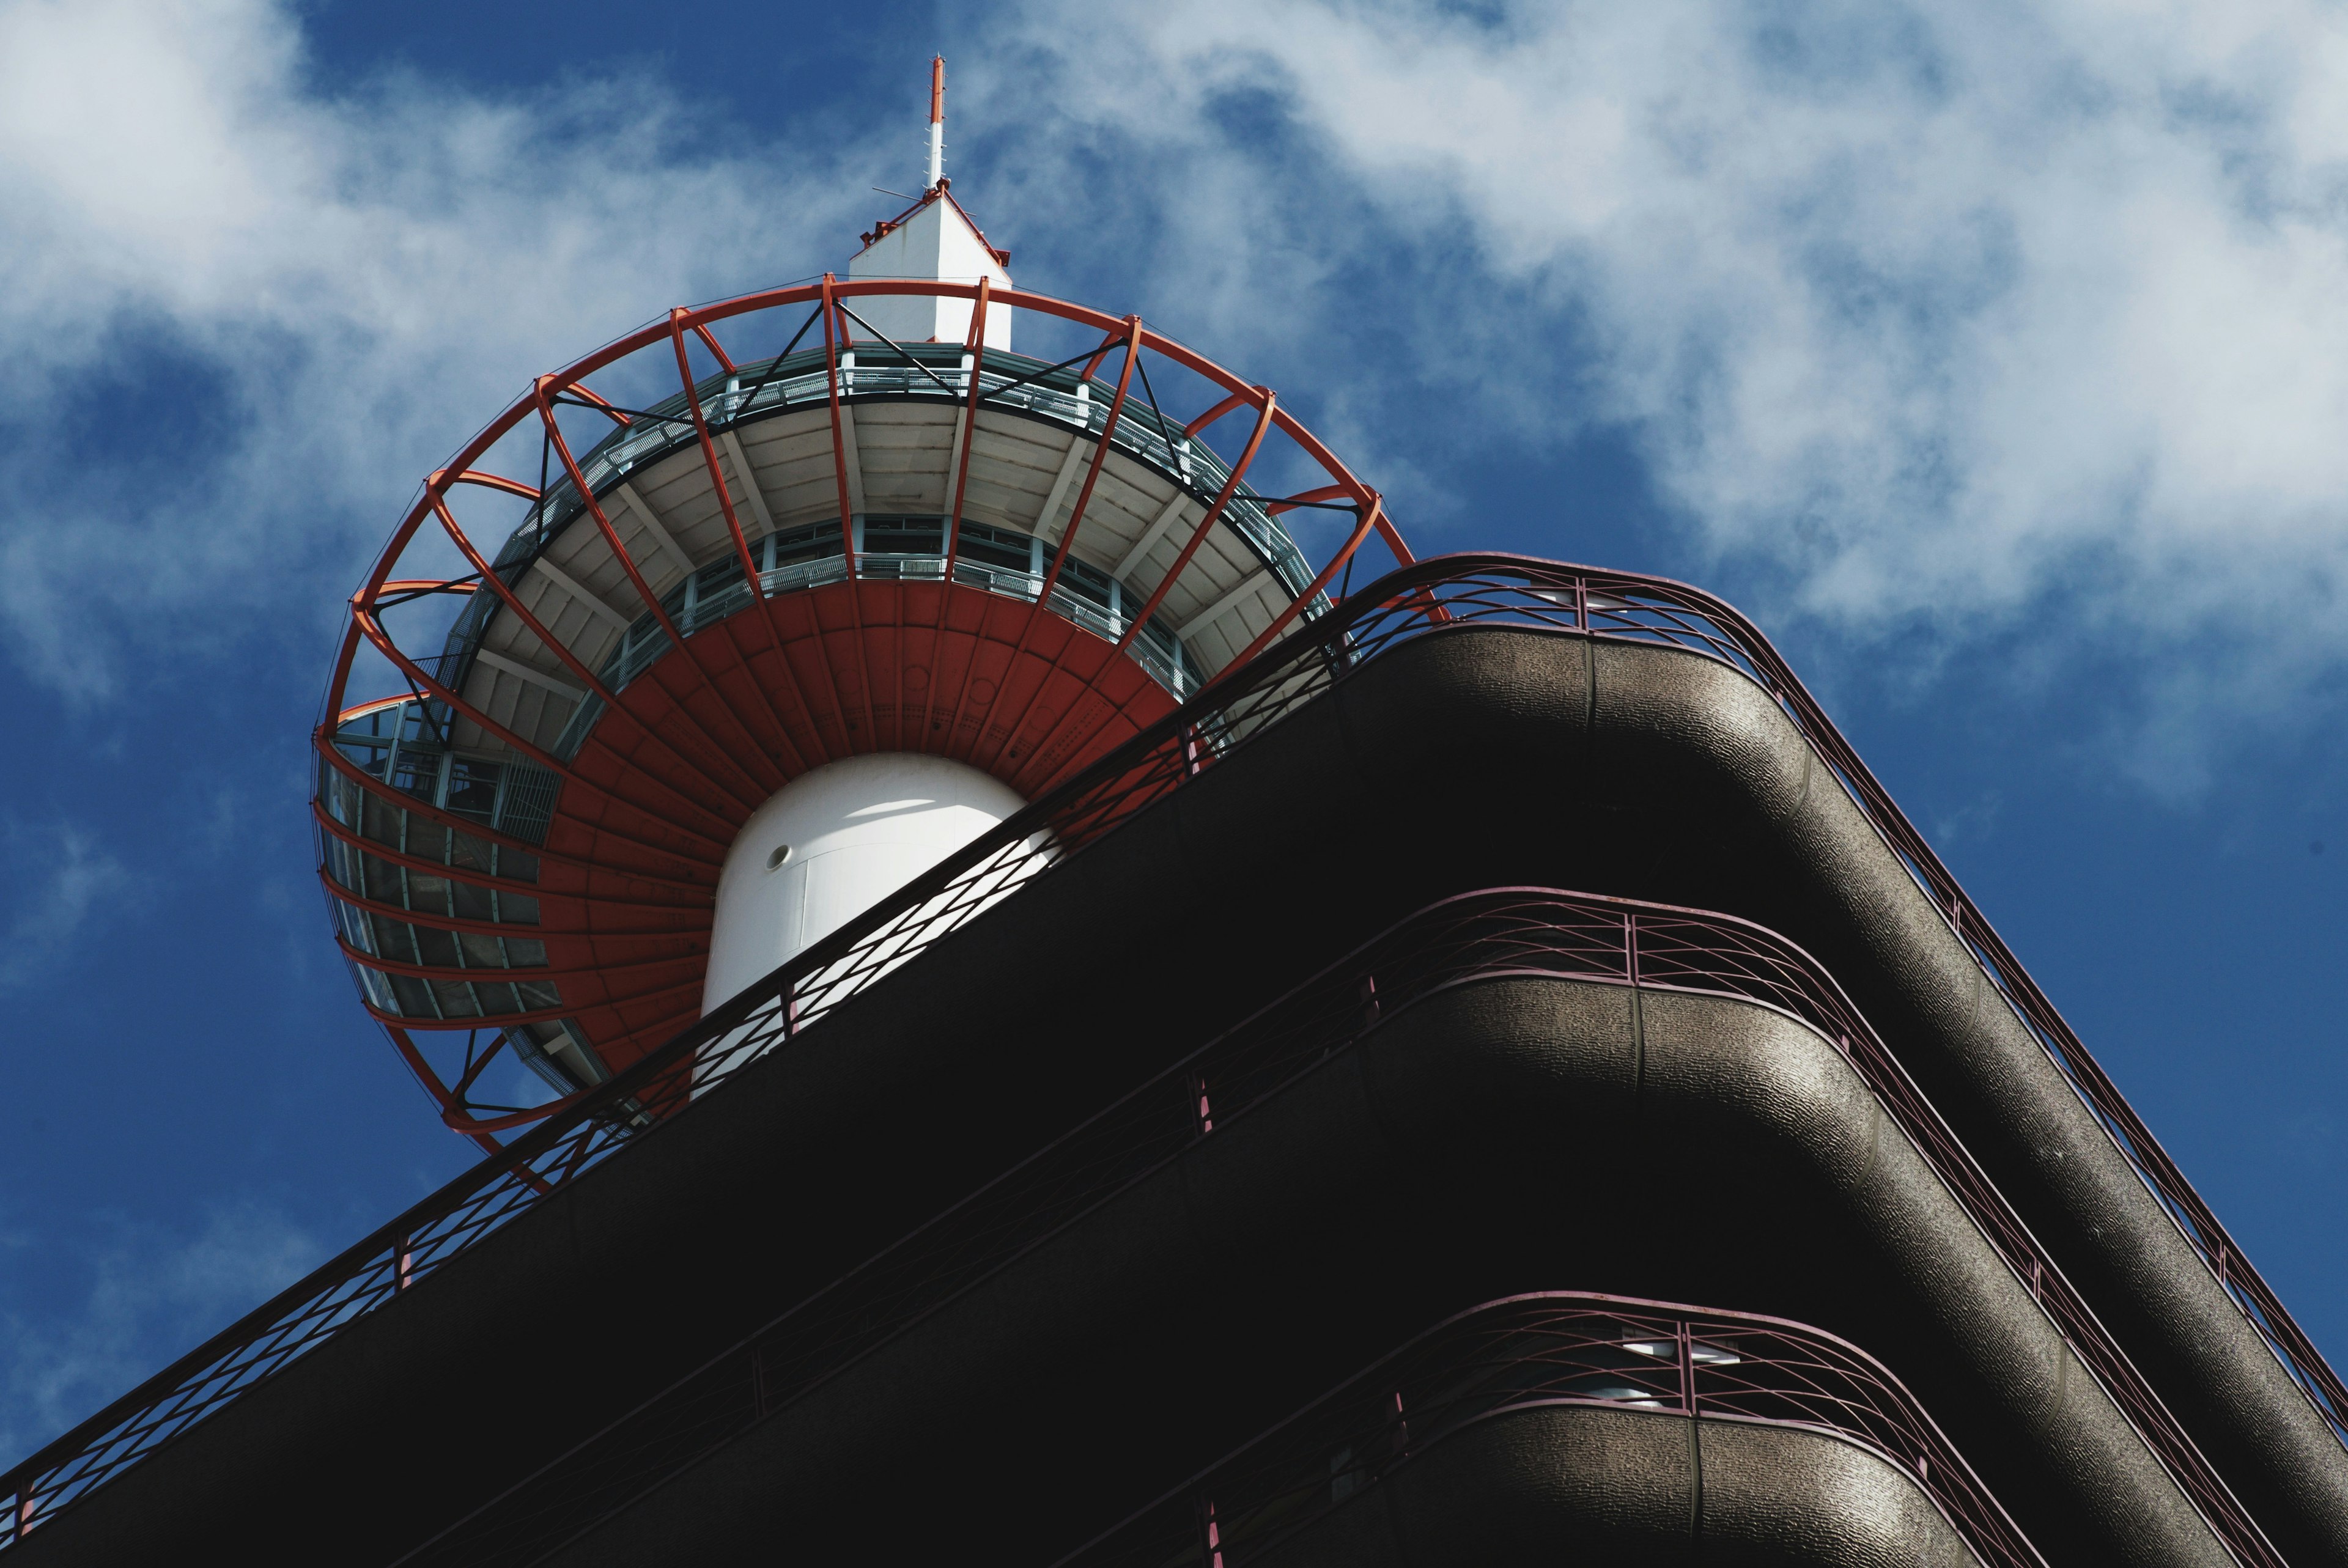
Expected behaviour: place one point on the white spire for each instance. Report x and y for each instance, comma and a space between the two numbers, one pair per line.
937, 122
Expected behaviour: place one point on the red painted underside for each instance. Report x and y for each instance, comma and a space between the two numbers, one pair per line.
707, 734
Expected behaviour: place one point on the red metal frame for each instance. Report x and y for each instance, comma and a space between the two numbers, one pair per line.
679, 757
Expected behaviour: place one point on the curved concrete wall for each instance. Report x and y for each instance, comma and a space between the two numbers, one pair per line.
1729, 809
1576, 1484
1503, 1136
1644, 771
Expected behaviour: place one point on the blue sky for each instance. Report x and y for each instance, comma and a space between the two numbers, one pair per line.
1993, 357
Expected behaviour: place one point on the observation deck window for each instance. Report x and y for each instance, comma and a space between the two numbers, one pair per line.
1003, 547
901, 536
401, 745
900, 547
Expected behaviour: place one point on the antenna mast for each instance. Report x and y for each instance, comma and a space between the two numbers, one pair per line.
937, 122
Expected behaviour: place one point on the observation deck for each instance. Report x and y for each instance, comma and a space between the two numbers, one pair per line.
852, 546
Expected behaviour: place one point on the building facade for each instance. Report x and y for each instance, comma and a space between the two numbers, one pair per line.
1075, 1034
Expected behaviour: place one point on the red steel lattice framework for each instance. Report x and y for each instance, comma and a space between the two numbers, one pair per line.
680, 757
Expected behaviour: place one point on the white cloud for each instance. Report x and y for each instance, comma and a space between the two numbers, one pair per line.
58, 877
150, 1298
1939, 311
1930, 316
339, 290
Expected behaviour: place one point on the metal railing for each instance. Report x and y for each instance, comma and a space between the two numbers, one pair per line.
1544, 1351
1008, 381
1429, 598
1497, 933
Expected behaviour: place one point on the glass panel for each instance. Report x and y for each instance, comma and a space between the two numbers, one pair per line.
417, 772
996, 547
473, 902
393, 939
456, 999
469, 853
352, 923
383, 882
414, 997
904, 535
436, 950
427, 893
376, 987
812, 542
426, 840
384, 822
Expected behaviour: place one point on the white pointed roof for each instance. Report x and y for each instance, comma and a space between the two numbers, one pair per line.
932, 239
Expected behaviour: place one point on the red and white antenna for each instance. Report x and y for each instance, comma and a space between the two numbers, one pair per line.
937, 122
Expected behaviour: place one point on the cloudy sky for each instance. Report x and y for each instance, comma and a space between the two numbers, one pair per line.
1993, 355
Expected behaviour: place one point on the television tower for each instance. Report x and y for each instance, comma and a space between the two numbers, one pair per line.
1078, 1036
699, 649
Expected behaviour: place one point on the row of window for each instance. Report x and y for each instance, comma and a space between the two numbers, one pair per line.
405, 748
1004, 560
404, 996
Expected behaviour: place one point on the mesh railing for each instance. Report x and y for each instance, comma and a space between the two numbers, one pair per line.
1548, 1350
1478, 937
1431, 597
1007, 381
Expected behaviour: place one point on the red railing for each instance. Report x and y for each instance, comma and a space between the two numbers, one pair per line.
1494, 933
1555, 1349
1429, 598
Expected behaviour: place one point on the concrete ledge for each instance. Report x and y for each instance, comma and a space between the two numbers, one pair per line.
1506, 1136
1467, 759
1579, 1485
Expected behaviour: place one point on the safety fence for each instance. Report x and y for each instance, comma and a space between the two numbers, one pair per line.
1545, 1351
1431, 598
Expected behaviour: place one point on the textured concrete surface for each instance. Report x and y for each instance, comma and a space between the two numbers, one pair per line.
1470, 759
1505, 1136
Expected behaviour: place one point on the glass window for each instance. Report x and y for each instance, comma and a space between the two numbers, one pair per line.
376, 987
437, 950
455, 998
1088, 583
904, 535
382, 881
416, 772
473, 902
999, 548
812, 542
414, 997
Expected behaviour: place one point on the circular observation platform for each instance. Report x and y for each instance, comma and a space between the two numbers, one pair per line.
853, 547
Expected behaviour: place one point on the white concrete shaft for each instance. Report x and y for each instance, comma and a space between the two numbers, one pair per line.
855, 830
